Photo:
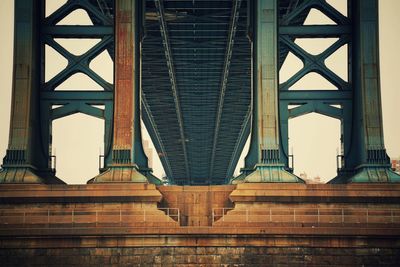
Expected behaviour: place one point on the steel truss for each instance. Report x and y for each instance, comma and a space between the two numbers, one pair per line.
195, 63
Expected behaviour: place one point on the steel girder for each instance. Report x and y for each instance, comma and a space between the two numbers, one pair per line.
172, 76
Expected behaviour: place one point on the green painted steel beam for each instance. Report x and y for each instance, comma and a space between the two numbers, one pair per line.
92, 97
76, 107
317, 107
93, 11
315, 31
75, 31
303, 96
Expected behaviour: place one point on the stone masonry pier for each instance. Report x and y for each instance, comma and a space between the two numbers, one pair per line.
233, 225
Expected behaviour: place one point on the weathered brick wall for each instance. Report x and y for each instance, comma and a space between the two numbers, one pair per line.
202, 256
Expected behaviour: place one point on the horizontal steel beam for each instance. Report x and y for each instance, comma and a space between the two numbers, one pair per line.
70, 31
315, 31
308, 95
76, 107
317, 107
84, 96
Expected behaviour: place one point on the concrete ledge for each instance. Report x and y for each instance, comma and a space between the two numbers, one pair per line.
95, 193
199, 240
306, 193
123, 232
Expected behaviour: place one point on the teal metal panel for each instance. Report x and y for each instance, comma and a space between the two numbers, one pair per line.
25, 160
264, 162
366, 160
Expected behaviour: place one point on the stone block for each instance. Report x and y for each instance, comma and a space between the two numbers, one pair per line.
185, 250
168, 259
209, 259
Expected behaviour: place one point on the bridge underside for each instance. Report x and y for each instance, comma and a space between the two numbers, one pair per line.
201, 49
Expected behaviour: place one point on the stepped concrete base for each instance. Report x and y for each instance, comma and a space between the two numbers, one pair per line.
336, 207
268, 174
368, 175
27, 175
122, 174
76, 207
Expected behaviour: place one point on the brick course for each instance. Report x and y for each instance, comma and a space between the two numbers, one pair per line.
210, 256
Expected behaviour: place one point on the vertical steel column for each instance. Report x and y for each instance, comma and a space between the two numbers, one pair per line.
367, 160
128, 157
25, 160
264, 162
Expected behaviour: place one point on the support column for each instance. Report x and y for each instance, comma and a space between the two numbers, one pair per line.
367, 160
25, 160
264, 162
128, 159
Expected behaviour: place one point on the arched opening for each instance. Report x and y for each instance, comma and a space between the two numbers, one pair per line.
103, 66
314, 140
315, 46
290, 67
79, 82
316, 17
339, 5
78, 140
54, 63
313, 81
77, 46
53, 5
338, 62
76, 17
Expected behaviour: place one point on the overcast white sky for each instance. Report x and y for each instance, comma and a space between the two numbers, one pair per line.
77, 139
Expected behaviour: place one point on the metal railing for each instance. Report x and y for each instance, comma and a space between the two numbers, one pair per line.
87, 217
313, 216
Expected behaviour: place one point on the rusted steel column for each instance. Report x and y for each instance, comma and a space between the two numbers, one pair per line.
367, 160
126, 147
25, 160
264, 163
125, 82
